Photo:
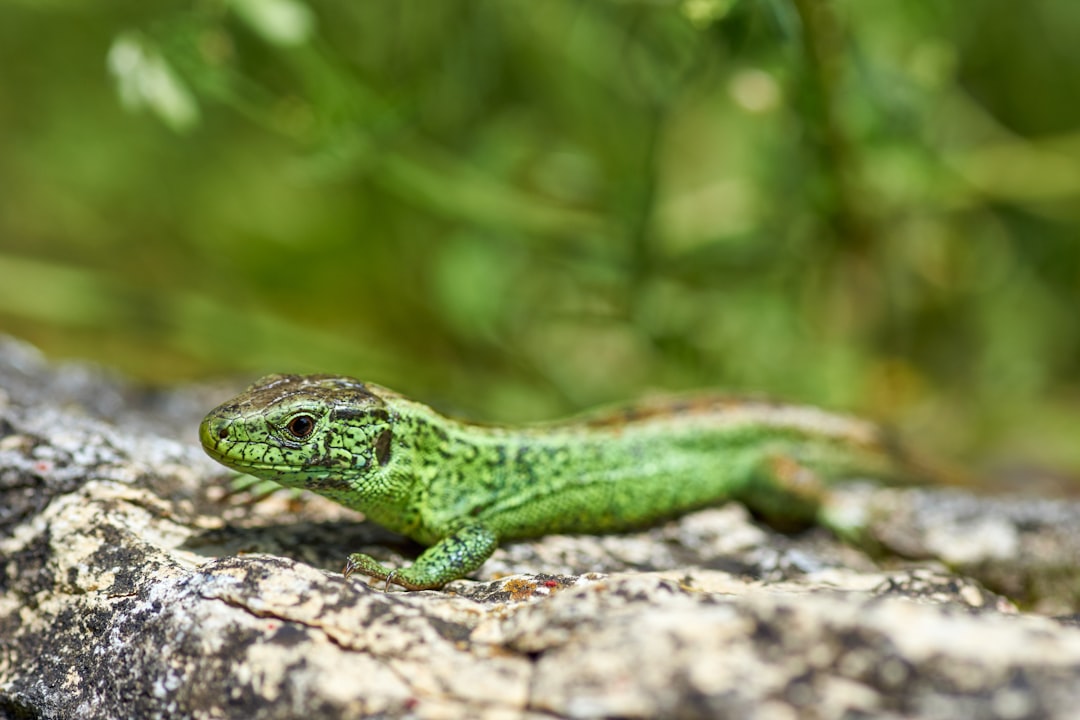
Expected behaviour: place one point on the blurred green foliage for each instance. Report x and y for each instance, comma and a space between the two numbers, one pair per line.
516, 209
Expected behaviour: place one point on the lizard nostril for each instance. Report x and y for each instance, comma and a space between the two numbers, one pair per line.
223, 433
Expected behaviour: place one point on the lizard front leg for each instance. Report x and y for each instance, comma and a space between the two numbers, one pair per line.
451, 558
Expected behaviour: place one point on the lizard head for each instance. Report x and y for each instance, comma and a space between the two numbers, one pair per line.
319, 432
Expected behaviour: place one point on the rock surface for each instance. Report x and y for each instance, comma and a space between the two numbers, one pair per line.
132, 585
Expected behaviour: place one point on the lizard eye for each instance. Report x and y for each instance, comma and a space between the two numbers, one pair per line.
301, 426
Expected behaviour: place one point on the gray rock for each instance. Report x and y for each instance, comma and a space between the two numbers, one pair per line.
133, 585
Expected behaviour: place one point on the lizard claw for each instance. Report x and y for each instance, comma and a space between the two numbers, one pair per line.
356, 562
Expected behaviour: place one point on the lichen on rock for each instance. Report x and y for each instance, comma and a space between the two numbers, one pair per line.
133, 585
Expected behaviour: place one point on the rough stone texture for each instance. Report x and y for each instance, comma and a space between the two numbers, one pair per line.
133, 585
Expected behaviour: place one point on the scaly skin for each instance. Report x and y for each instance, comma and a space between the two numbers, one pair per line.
462, 488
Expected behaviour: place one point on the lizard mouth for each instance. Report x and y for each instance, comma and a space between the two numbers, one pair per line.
271, 471
244, 466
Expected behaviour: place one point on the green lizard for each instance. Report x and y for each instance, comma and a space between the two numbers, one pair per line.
462, 488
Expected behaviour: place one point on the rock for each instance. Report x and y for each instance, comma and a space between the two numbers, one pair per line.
133, 585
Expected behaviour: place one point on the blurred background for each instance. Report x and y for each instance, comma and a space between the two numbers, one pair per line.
517, 209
